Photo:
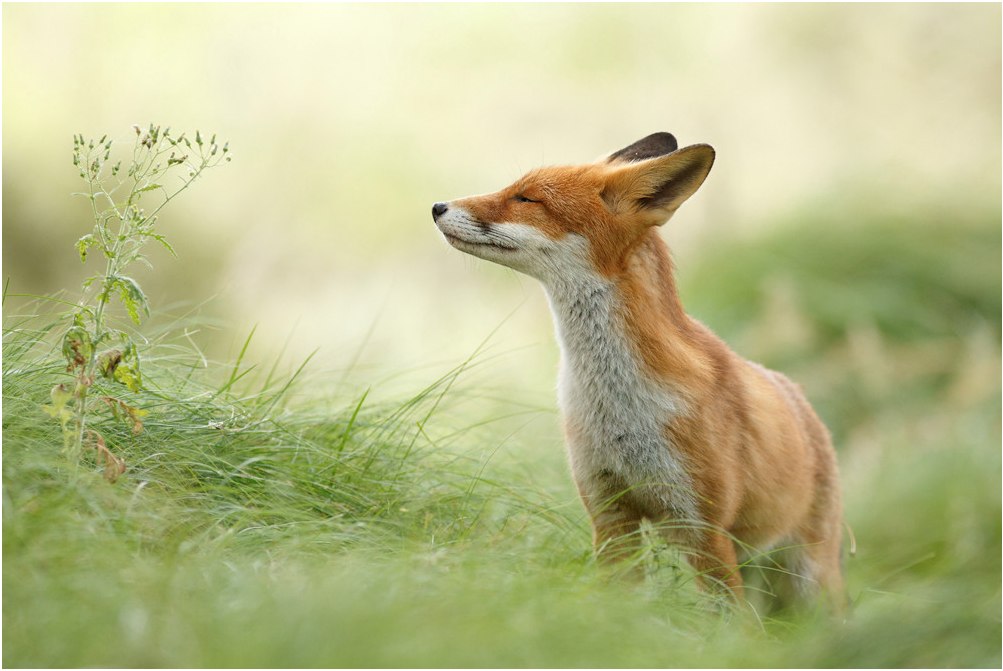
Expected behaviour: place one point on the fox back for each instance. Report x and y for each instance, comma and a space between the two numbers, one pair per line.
662, 420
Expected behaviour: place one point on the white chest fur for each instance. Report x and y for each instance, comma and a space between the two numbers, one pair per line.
615, 412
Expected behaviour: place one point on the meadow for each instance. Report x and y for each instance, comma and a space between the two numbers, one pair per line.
278, 515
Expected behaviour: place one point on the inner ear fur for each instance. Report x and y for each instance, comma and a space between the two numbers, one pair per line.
658, 186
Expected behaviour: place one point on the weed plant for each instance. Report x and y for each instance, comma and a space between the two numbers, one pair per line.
122, 227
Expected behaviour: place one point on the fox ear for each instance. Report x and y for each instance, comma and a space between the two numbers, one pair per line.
656, 187
656, 144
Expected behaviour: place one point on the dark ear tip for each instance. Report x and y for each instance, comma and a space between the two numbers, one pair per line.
652, 146
663, 137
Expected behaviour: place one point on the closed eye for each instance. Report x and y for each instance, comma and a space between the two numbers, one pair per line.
523, 199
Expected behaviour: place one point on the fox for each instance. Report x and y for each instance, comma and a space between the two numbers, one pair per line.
662, 420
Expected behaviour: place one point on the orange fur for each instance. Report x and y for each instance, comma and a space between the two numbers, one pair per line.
759, 461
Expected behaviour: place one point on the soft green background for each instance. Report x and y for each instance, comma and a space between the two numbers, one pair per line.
347, 122
849, 235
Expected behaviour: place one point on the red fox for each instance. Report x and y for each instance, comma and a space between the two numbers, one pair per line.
662, 420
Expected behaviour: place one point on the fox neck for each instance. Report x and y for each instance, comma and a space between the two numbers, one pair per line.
636, 310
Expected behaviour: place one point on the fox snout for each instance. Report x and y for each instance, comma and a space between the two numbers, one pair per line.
507, 243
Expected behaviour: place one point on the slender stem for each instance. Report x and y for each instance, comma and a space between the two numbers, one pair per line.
80, 421
198, 171
86, 375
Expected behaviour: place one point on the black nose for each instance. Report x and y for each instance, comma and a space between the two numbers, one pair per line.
438, 210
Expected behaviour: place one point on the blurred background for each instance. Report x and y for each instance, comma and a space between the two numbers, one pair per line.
347, 122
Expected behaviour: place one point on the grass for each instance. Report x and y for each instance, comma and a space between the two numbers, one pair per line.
267, 519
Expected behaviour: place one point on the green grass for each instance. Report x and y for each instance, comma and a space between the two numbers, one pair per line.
272, 519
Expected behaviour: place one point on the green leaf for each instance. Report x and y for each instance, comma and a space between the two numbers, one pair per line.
128, 374
84, 243
131, 295
135, 416
149, 187
109, 361
77, 347
60, 396
159, 238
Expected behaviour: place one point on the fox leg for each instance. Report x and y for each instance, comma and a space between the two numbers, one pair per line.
616, 522
817, 570
817, 565
716, 560
616, 533
807, 566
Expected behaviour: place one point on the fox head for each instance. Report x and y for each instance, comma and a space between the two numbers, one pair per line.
569, 219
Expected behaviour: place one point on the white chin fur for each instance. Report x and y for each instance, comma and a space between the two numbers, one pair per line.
518, 246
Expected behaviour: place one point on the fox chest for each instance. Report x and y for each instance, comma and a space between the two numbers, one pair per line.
616, 419
615, 414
